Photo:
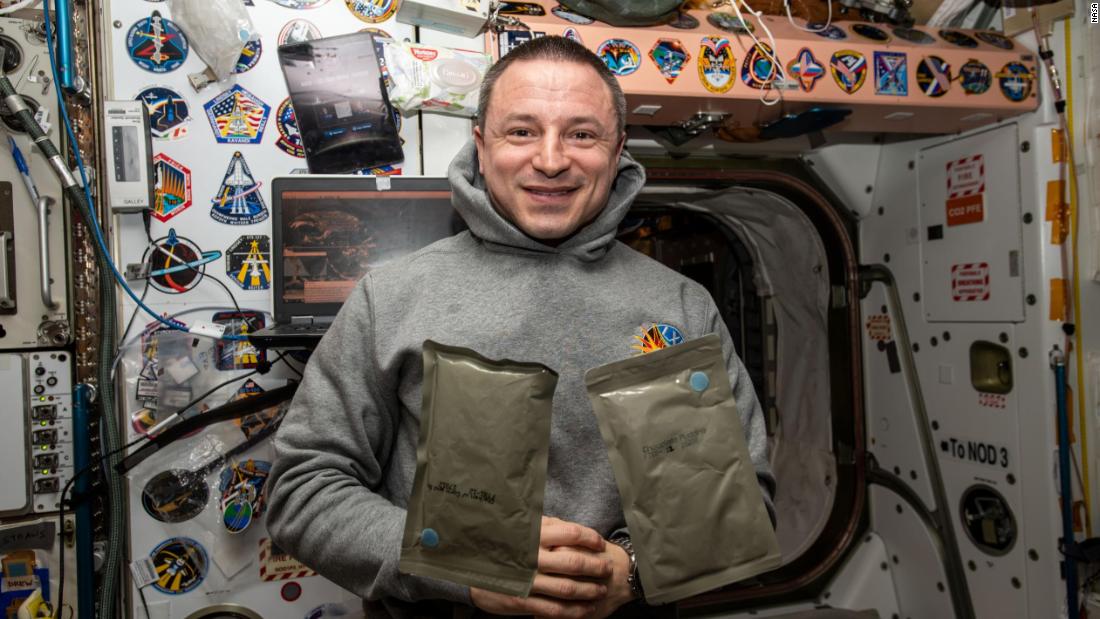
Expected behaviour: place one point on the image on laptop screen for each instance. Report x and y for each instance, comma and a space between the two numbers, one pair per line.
331, 238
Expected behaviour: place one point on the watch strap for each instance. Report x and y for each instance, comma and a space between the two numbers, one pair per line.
632, 577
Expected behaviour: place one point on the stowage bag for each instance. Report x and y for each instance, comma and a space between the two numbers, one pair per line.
475, 513
692, 503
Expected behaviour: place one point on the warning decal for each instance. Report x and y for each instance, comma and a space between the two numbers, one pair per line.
277, 565
965, 191
970, 282
878, 327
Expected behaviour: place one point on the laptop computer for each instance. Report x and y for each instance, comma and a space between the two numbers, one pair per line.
328, 231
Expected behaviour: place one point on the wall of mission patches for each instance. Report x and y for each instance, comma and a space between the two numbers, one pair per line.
216, 150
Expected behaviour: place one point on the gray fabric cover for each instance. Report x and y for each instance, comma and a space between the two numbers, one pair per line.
624, 14
790, 269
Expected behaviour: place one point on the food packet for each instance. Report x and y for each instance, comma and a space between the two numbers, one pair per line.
693, 506
441, 79
475, 513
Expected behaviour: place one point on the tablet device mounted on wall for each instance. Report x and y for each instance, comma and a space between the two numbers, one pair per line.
340, 102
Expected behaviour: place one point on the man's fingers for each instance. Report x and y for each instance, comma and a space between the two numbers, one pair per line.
560, 533
567, 588
546, 607
569, 562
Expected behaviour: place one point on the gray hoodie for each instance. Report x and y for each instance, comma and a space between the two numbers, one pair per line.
346, 452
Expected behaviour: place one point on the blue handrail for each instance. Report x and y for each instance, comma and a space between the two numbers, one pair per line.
1065, 475
82, 448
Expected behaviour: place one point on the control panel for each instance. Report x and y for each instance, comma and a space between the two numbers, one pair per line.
34, 228
38, 460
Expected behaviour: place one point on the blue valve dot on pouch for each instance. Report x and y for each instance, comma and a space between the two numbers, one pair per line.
699, 381
429, 538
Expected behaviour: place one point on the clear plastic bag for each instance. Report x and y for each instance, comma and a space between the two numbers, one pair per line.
217, 31
422, 77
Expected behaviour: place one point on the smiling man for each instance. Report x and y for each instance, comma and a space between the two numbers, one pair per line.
549, 155
538, 277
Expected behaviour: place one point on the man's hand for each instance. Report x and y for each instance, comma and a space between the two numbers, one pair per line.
580, 575
618, 588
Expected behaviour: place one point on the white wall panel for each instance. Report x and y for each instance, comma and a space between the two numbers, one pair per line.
233, 572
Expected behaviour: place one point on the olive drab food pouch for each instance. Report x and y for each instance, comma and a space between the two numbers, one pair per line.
475, 513
693, 506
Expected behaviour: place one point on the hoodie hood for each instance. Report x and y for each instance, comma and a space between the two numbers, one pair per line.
471, 199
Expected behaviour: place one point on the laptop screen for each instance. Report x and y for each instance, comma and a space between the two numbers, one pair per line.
328, 238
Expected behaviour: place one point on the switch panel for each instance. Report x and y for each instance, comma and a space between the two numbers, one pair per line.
50, 390
36, 445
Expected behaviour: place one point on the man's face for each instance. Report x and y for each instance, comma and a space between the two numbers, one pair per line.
550, 147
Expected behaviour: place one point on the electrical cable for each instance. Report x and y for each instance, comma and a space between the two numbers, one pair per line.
95, 227
286, 362
211, 390
197, 272
107, 598
189, 425
828, 21
107, 305
144, 604
61, 513
67, 489
1069, 252
133, 315
767, 51
167, 422
228, 291
151, 328
1075, 305
70, 183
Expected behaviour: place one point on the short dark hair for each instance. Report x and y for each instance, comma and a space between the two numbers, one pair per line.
556, 48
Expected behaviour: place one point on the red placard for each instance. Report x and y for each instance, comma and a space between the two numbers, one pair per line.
970, 282
965, 191
966, 210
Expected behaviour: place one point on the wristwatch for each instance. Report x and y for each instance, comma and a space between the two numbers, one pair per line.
632, 579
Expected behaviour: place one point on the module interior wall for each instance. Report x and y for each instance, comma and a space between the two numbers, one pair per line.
233, 575
207, 160
1023, 580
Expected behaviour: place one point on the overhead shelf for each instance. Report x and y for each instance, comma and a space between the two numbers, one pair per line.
705, 67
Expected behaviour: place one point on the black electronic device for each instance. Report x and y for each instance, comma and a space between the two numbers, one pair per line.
327, 231
340, 103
